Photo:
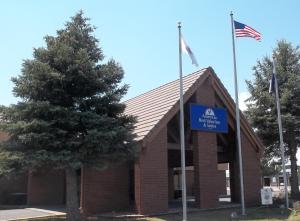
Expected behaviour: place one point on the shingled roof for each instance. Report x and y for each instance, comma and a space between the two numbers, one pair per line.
157, 106
152, 106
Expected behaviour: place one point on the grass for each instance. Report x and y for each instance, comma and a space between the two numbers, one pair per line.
253, 214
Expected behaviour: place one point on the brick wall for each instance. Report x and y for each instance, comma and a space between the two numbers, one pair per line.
11, 189
13, 185
151, 176
46, 188
252, 172
105, 191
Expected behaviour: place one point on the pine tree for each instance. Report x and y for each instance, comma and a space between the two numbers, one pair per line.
70, 114
262, 111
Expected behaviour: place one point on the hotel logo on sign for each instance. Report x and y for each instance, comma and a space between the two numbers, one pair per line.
208, 118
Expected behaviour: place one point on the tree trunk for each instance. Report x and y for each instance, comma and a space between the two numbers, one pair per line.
294, 174
73, 213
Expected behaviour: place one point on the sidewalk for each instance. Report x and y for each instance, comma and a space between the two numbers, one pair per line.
26, 213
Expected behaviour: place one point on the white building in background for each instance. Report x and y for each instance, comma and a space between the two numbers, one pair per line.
277, 180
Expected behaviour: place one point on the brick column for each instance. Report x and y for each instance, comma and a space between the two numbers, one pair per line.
206, 171
206, 156
222, 190
151, 176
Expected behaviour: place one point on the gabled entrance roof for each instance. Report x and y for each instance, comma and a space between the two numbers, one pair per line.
155, 108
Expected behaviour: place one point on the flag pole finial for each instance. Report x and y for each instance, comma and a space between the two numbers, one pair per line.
231, 13
179, 24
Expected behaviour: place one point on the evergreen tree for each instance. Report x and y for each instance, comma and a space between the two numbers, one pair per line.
70, 114
270, 166
262, 111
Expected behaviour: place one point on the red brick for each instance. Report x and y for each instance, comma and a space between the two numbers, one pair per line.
252, 172
151, 176
206, 156
105, 191
221, 180
11, 185
46, 188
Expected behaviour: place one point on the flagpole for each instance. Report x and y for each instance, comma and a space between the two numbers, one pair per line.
280, 134
183, 179
237, 118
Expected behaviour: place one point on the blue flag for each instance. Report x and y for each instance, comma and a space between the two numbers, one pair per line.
272, 84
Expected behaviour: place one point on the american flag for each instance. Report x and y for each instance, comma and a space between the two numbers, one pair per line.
242, 30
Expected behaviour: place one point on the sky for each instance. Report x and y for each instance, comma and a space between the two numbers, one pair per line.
142, 35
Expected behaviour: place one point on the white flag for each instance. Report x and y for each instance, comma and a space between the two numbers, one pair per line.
186, 49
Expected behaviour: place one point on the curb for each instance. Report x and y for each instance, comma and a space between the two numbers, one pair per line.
51, 214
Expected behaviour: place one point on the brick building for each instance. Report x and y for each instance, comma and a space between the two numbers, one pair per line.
151, 183
147, 185
39, 188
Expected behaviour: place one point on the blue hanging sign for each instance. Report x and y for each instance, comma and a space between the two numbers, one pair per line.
208, 118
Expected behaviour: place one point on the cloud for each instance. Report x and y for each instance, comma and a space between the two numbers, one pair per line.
243, 96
